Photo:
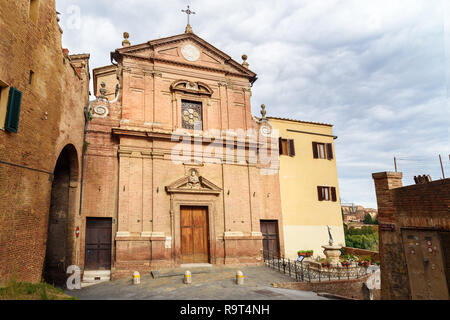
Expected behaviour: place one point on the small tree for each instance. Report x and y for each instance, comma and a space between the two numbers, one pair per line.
368, 219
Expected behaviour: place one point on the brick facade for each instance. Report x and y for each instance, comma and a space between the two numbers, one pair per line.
132, 177
51, 118
414, 207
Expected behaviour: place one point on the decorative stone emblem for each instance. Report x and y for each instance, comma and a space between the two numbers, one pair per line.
190, 52
193, 181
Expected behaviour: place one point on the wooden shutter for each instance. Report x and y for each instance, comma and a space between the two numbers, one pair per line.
12, 116
333, 194
315, 153
329, 151
319, 192
291, 148
280, 148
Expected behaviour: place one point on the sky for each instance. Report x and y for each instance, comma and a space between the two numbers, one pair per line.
377, 70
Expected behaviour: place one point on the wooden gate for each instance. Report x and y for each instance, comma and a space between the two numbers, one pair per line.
98, 244
269, 230
194, 235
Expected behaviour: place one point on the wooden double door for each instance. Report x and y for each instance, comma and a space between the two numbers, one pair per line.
194, 234
269, 230
98, 244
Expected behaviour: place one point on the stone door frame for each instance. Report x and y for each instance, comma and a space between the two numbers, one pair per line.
177, 201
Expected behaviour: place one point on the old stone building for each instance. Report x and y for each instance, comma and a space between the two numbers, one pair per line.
176, 169
43, 94
414, 228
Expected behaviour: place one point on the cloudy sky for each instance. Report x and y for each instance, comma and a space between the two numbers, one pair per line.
377, 70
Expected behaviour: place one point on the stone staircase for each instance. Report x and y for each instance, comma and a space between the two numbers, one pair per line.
91, 277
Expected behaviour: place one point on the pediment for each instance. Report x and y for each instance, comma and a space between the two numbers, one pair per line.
170, 49
193, 183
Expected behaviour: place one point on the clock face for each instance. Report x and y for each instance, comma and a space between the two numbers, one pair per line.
190, 52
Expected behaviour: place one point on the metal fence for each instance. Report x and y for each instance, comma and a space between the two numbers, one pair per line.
306, 271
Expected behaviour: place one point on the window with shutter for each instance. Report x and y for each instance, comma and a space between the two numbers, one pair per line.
333, 194
315, 153
284, 147
12, 116
4, 94
291, 148
329, 151
326, 193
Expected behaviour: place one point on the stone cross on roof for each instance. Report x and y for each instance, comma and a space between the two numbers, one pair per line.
188, 12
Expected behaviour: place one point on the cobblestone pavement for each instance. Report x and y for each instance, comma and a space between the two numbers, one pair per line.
216, 284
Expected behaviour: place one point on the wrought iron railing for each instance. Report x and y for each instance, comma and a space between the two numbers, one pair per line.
312, 271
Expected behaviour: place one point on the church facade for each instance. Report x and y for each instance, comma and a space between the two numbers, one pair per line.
176, 168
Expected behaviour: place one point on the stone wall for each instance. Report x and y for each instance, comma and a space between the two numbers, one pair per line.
51, 117
350, 289
375, 255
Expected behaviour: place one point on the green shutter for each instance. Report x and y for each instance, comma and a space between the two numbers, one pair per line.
12, 115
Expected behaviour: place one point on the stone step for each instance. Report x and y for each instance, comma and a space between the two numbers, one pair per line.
91, 277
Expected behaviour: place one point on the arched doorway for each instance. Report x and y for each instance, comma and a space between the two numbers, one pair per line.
59, 240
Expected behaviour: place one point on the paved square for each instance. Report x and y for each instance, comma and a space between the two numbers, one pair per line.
217, 283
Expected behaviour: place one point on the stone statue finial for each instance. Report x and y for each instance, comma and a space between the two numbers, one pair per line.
245, 63
263, 112
125, 42
188, 29
102, 92
331, 241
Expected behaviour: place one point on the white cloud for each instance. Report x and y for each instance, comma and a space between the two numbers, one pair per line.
374, 69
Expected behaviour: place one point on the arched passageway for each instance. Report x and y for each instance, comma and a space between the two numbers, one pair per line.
59, 241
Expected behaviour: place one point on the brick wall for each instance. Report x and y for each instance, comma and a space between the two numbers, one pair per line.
51, 117
422, 206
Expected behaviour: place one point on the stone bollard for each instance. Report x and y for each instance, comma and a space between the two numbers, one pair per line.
136, 278
187, 277
239, 277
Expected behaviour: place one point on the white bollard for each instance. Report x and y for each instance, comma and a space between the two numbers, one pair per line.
187, 277
136, 277
239, 278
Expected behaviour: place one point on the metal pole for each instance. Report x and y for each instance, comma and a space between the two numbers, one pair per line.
395, 164
442, 168
289, 266
301, 265
309, 274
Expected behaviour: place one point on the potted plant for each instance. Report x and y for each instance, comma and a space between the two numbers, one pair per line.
309, 253
345, 263
301, 253
325, 263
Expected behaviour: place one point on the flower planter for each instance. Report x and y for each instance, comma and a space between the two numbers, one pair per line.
364, 263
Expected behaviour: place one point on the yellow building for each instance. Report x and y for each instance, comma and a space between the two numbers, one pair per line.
309, 186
